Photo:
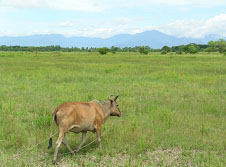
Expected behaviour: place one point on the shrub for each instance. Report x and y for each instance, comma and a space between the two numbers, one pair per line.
142, 50
166, 49
163, 52
192, 49
103, 50
179, 52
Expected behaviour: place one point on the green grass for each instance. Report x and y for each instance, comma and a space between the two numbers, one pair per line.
174, 107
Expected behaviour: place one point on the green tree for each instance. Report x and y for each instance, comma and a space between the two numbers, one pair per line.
103, 50
221, 45
193, 48
179, 52
163, 52
211, 47
143, 50
185, 48
166, 49
114, 49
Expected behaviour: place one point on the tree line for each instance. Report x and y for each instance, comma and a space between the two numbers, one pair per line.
212, 46
192, 48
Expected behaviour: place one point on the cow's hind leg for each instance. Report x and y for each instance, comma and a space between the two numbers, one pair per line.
82, 142
66, 144
58, 143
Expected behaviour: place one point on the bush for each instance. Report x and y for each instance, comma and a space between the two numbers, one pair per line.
142, 50
103, 50
163, 52
179, 52
193, 49
166, 49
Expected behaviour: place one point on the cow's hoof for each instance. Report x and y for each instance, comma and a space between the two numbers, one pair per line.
76, 150
54, 162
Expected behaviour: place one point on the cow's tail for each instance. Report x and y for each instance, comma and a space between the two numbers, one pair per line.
51, 133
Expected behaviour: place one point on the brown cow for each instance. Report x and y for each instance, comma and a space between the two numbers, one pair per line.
81, 117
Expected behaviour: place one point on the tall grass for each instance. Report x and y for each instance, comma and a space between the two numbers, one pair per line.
174, 107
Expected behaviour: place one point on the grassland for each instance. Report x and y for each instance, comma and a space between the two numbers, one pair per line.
174, 108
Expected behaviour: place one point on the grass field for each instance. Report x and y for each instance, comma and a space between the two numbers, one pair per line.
174, 108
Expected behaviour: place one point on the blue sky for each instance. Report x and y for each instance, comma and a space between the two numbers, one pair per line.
104, 18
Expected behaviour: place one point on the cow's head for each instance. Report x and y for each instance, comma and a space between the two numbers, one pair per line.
114, 107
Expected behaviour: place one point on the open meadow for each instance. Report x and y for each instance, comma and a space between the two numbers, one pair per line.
173, 107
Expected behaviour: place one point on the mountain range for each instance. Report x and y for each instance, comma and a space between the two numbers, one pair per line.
154, 39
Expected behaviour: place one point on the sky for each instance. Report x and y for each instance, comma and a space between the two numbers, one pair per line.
105, 18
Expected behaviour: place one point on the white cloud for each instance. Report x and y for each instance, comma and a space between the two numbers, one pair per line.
100, 5
180, 28
168, 3
69, 23
196, 28
121, 21
97, 28
118, 25
216, 25
5, 33
192, 3
77, 5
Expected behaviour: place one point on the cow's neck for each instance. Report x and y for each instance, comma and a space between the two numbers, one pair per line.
106, 111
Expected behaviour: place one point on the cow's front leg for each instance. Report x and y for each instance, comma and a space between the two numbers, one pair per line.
98, 130
83, 141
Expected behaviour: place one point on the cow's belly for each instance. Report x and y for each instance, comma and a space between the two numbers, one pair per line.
83, 128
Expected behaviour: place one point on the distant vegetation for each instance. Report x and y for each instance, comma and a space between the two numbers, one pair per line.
192, 48
103, 50
144, 50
